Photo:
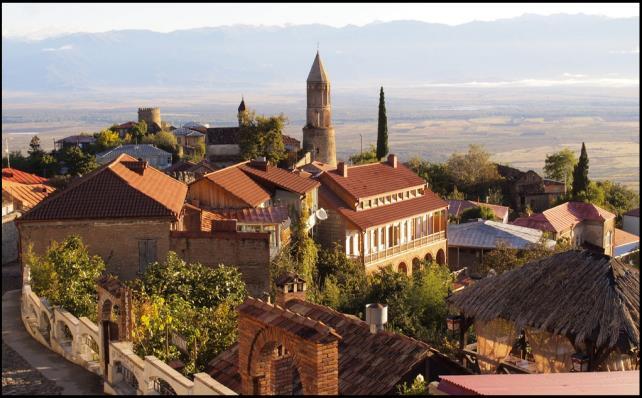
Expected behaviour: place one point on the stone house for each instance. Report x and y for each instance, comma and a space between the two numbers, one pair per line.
529, 189
382, 213
188, 139
583, 224
296, 347
81, 141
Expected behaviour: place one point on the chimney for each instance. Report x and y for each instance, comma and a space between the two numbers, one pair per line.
376, 316
138, 166
260, 163
342, 167
392, 160
289, 286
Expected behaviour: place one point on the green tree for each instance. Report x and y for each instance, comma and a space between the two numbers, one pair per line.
304, 250
456, 195
580, 174
66, 275
34, 145
618, 198
77, 162
473, 172
17, 161
107, 139
559, 166
165, 141
418, 387
262, 136
369, 156
435, 174
138, 132
473, 213
382, 128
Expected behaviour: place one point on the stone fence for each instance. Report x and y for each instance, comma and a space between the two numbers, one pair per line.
77, 340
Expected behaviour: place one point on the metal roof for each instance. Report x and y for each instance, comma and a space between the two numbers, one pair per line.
136, 151
487, 234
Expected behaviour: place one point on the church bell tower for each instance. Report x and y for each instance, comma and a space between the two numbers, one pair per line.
318, 133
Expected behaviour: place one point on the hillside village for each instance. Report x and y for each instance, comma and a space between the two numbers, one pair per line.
238, 260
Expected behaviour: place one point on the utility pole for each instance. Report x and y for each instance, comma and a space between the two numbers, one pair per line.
361, 135
7, 150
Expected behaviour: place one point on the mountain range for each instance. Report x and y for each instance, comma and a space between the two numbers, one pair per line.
392, 53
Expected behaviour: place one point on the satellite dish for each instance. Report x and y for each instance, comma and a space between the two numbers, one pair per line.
321, 214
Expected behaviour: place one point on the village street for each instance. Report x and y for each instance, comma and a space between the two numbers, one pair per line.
27, 366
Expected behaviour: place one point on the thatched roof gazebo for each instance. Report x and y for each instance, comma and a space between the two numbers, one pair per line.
572, 301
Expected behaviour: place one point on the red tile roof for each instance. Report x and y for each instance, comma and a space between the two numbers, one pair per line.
578, 383
238, 184
281, 178
363, 219
564, 216
622, 237
28, 195
456, 207
15, 175
374, 179
119, 189
253, 215
633, 213
287, 140
126, 125
369, 364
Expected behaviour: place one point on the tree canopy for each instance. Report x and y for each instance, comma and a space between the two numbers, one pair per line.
382, 128
559, 166
580, 175
473, 172
262, 136
369, 156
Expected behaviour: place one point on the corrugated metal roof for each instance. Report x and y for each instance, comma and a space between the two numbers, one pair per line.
487, 234
182, 131
633, 213
577, 383
136, 151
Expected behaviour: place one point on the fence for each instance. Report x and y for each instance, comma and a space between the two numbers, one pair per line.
77, 340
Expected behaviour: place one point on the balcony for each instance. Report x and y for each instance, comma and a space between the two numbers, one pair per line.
400, 249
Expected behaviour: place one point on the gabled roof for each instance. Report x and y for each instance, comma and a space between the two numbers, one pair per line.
74, 139
382, 214
187, 132
133, 150
577, 294
238, 184
252, 215
28, 195
374, 179
621, 237
456, 207
487, 234
19, 176
283, 179
369, 364
126, 125
564, 216
123, 188
287, 140
633, 213
317, 71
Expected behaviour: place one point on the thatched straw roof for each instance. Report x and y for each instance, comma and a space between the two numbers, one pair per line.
578, 294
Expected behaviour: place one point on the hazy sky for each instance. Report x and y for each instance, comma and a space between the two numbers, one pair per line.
43, 20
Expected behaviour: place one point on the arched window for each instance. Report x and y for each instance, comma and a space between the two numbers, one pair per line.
402, 268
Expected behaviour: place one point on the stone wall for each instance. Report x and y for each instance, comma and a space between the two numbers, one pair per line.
116, 241
9, 238
77, 341
248, 251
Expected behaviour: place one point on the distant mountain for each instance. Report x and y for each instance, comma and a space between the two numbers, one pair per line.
402, 52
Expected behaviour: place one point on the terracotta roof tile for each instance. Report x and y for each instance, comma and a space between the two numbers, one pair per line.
374, 179
28, 195
622, 237
254, 215
456, 207
15, 175
383, 214
369, 364
116, 190
237, 183
562, 217
281, 178
287, 140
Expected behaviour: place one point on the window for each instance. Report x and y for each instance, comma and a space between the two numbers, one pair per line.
370, 203
407, 194
146, 253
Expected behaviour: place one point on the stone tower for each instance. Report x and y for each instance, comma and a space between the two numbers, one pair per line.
152, 117
242, 111
318, 133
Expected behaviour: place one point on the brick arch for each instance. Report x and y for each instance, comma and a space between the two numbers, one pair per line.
428, 257
265, 342
402, 267
416, 265
441, 257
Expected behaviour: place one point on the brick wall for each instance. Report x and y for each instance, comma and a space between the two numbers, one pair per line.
115, 240
249, 252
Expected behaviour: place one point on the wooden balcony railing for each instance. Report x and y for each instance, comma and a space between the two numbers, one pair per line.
395, 250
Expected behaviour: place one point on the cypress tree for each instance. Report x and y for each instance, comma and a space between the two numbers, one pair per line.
382, 130
580, 173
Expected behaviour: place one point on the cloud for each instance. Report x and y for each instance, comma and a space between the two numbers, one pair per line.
634, 51
579, 76
593, 82
61, 48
